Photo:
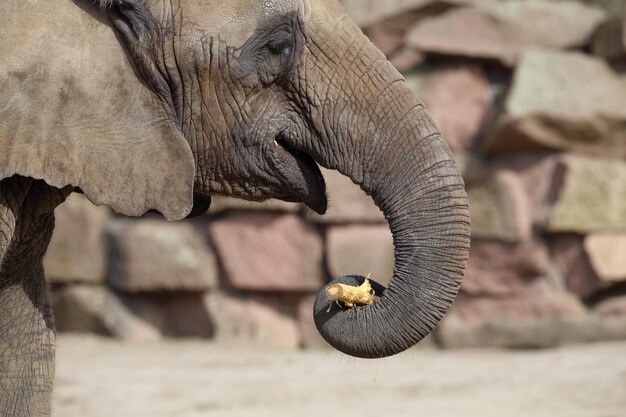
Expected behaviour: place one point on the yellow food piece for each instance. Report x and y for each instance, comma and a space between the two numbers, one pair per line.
351, 296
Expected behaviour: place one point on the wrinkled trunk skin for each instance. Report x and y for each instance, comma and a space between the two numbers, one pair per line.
373, 128
26, 325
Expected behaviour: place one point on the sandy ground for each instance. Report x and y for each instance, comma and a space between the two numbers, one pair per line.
99, 377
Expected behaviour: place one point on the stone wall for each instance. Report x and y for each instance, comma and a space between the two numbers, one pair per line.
531, 97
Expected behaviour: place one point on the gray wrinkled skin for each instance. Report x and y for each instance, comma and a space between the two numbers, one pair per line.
26, 323
159, 104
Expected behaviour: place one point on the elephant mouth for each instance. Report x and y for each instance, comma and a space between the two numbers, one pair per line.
308, 184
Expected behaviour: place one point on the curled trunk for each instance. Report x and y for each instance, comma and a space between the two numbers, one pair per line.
394, 151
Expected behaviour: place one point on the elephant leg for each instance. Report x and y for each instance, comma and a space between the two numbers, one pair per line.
26, 347
27, 340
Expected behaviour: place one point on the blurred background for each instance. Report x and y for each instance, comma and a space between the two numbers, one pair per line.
531, 97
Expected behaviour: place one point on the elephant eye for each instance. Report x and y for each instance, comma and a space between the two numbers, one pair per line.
272, 51
280, 43
283, 48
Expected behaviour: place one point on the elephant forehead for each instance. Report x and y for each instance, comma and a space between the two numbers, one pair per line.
236, 21
273, 7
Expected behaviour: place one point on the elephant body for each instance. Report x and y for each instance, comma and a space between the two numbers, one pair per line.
159, 104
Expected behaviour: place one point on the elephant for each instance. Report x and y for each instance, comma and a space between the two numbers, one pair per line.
159, 104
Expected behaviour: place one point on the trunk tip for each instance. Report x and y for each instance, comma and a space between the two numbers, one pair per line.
337, 320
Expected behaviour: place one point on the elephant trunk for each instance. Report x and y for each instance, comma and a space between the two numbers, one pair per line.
396, 154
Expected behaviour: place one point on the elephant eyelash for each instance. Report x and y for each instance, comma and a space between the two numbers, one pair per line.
283, 48
281, 44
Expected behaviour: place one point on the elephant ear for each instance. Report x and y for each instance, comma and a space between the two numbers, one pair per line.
85, 105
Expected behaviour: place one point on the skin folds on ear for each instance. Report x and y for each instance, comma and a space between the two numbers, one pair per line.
73, 111
141, 36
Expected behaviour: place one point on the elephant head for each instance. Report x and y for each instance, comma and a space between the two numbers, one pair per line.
149, 103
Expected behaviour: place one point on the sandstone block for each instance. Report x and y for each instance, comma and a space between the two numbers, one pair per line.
77, 251
472, 167
175, 314
499, 209
459, 100
515, 322
310, 336
589, 195
269, 252
594, 328
614, 7
360, 250
573, 265
464, 32
504, 269
536, 174
607, 253
609, 41
153, 255
259, 320
458, 97
94, 309
503, 31
347, 202
614, 306
388, 37
367, 12
548, 109
188, 316
406, 59
133, 316
389, 33
547, 333
546, 304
